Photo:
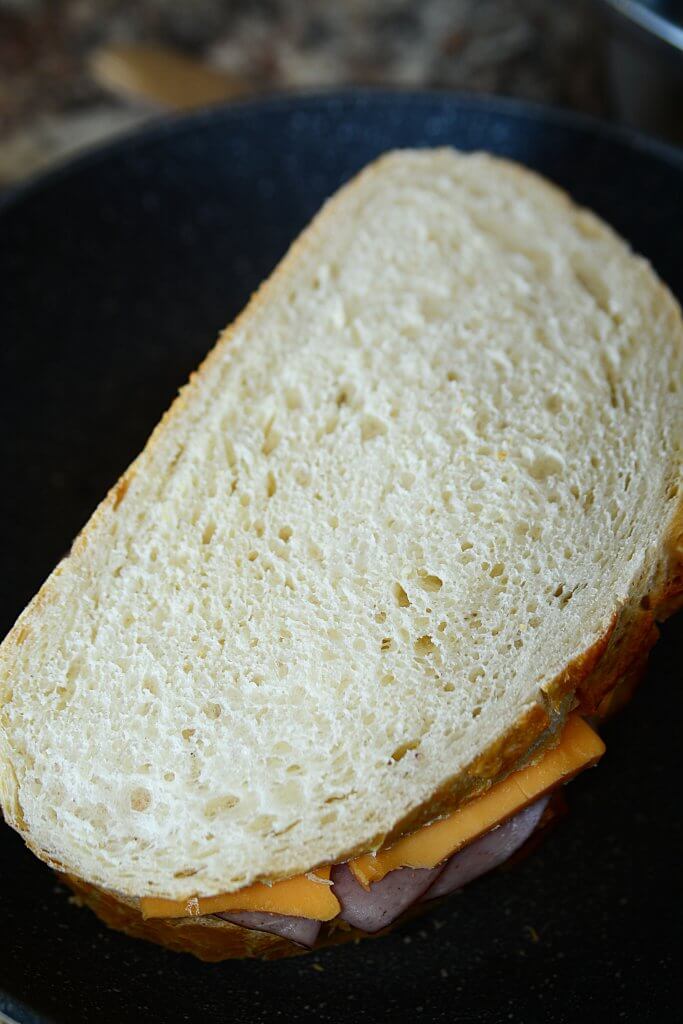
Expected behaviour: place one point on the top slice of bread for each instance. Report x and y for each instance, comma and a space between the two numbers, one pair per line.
413, 487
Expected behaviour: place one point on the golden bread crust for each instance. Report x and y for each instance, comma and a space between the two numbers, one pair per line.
209, 938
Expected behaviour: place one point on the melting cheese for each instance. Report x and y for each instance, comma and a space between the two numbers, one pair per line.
578, 748
301, 896
311, 896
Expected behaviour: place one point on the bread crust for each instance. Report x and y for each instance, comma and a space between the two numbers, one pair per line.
619, 654
211, 938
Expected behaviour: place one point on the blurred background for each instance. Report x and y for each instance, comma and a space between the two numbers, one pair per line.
78, 71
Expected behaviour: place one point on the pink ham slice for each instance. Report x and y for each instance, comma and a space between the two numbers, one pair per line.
301, 930
386, 900
488, 852
371, 911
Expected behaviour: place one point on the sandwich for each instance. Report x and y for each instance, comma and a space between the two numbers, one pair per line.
332, 645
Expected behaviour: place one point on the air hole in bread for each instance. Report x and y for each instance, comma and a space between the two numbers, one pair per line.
271, 438
404, 748
546, 464
262, 823
208, 532
429, 582
140, 799
331, 425
424, 645
371, 427
74, 668
220, 805
292, 399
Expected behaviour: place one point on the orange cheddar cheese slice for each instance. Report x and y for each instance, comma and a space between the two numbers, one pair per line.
301, 896
579, 747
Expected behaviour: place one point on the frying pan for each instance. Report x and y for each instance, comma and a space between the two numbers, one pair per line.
116, 272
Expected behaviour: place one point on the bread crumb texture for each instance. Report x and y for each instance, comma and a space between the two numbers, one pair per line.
421, 474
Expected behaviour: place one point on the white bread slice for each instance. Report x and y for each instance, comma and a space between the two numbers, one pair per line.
413, 499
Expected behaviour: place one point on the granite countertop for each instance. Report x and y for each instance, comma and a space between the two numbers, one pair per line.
51, 104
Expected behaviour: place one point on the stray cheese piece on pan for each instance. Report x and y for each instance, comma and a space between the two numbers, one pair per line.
579, 747
301, 896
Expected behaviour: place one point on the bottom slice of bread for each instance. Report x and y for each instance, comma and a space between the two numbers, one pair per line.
210, 938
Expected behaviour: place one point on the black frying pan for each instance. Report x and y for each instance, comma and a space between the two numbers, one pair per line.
115, 275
